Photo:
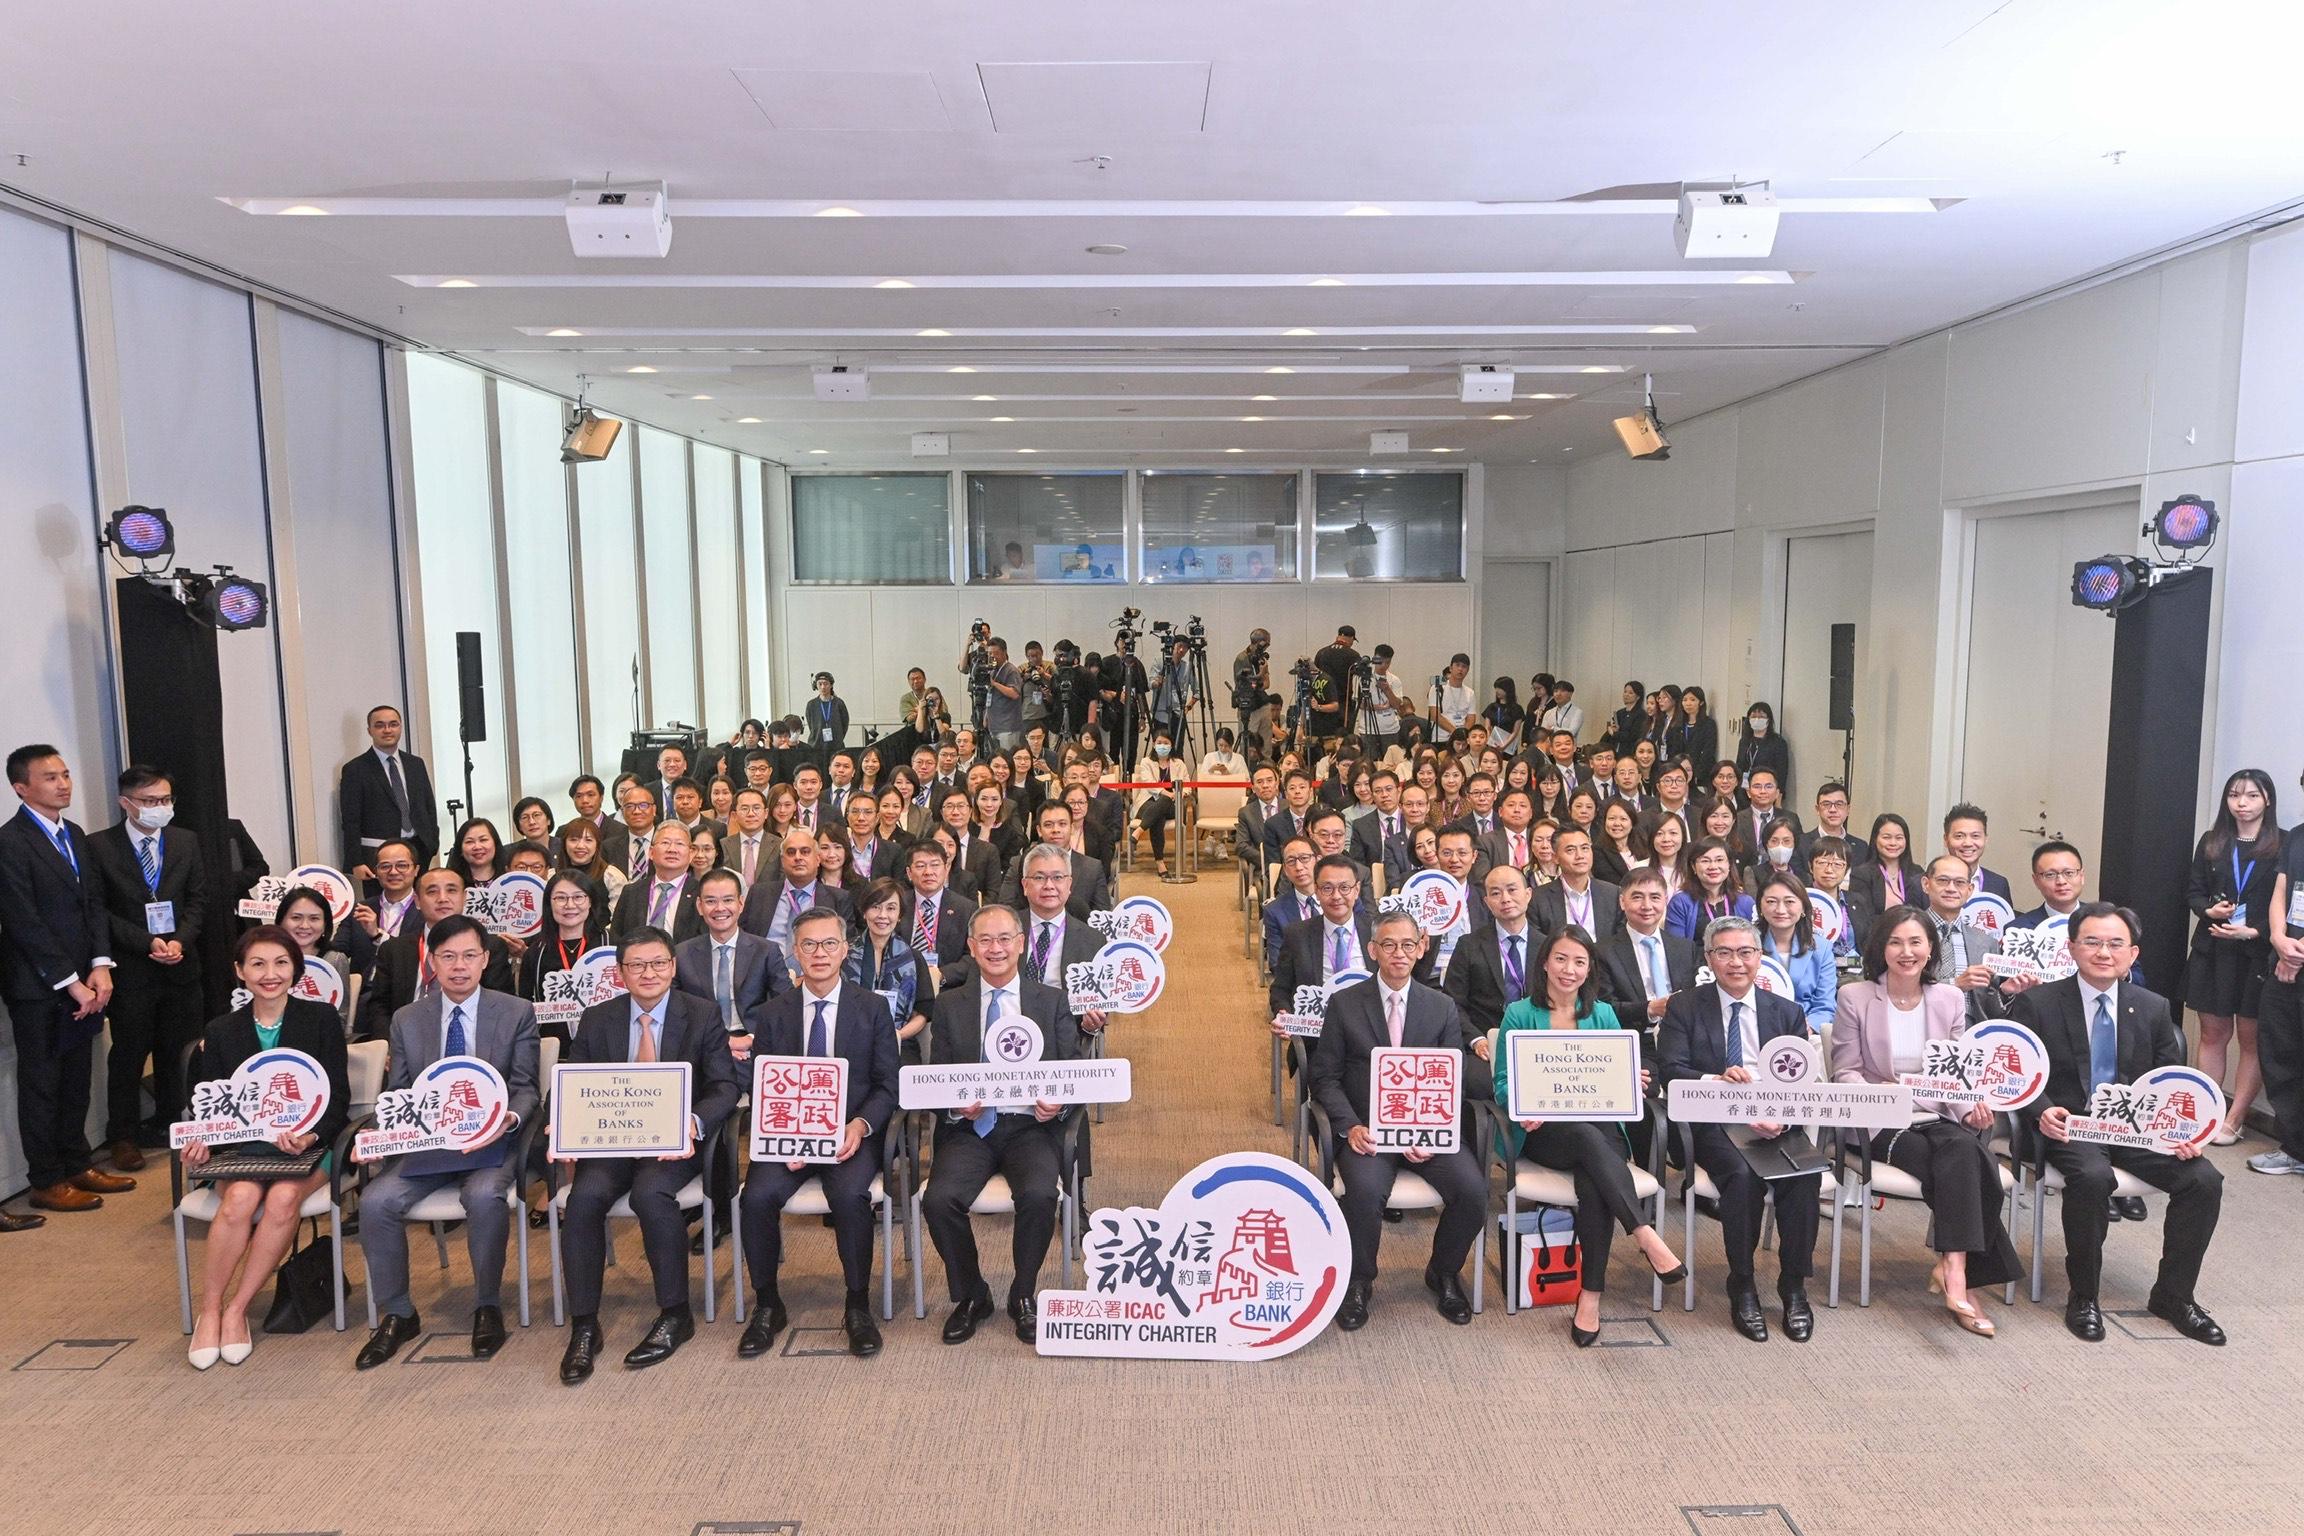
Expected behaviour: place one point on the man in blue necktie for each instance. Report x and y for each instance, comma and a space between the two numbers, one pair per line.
2102, 1028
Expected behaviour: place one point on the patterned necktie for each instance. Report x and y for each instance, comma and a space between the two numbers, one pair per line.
1040, 943
399, 788
2103, 1047
924, 924
148, 860
724, 983
639, 856
1514, 976
63, 841
647, 1050
457, 1045
1520, 848
423, 966
663, 899
1392, 1016
751, 858
818, 1036
1735, 1034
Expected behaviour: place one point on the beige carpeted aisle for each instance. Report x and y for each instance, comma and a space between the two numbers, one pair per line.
1890, 1420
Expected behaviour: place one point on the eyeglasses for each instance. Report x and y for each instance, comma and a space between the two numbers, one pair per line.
1744, 952
1338, 888
819, 946
1049, 877
2059, 875
1394, 946
151, 802
638, 967
997, 940
2101, 946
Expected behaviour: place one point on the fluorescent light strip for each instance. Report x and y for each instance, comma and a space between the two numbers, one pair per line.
1395, 370
1676, 278
1427, 397
1047, 208
1635, 328
1110, 419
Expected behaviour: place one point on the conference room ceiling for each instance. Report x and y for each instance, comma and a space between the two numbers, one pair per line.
1325, 208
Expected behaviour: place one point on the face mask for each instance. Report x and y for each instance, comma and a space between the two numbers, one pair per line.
1758, 723
1779, 856
1160, 749
153, 817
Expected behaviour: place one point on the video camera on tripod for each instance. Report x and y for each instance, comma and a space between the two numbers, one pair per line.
979, 659
1126, 631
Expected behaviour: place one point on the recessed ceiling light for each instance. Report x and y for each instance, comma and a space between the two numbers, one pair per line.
1235, 450
564, 330
891, 282
747, 421
838, 213
639, 368
1366, 211
932, 331
963, 368
1107, 250
1327, 282
1279, 370
1003, 418
699, 397
456, 282
983, 397
1263, 397
1544, 397
305, 210
819, 450
1300, 330
1571, 448
1027, 450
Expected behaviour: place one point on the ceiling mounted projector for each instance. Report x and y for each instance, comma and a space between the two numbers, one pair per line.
590, 436
842, 381
1484, 384
606, 220
1718, 223
1643, 434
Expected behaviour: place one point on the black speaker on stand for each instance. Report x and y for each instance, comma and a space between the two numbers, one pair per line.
471, 710
2152, 764
1844, 696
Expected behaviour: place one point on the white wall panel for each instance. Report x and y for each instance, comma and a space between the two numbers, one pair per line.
2261, 655
611, 603
2270, 411
716, 609
542, 695
671, 586
756, 586
1811, 453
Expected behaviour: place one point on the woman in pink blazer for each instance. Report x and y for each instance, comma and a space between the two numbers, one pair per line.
1882, 1031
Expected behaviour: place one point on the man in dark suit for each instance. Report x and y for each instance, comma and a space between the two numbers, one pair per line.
1717, 1031
1961, 948
872, 856
155, 897
1394, 1009
1641, 965
770, 905
1296, 796
825, 1016
404, 965
1314, 951
1262, 804
653, 1023
461, 1018
1763, 804
1575, 898
1292, 901
1831, 821
1053, 937
666, 898
2100, 1027
56, 971
1089, 893
738, 973
671, 768
1965, 834
1495, 964
935, 917
385, 793
1512, 842
974, 1143
1479, 816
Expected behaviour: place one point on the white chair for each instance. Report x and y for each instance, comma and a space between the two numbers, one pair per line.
2050, 1181
1550, 1186
446, 1204
1218, 812
364, 1076
1888, 1182
1699, 1186
808, 1200
1411, 1191
997, 1198
692, 1195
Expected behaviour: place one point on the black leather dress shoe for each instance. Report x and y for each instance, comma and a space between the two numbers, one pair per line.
11, 1222
2187, 1319
1453, 1303
760, 1333
1352, 1315
863, 1333
1744, 1308
671, 1329
960, 1327
1799, 1317
488, 1333
1026, 1318
392, 1332
2085, 1319
2130, 1207
584, 1342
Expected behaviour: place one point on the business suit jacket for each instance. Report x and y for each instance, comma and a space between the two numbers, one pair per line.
1867, 896
761, 901
950, 941
1548, 908
1281, 913
1859, 851
1689, 1039
1863, 1035
393, 986
1364, 839
504, 1036
52, 921
1248, 831
887, 857
1991, 882
956, 1031
862, 1034
1699, 743
1279, 827
364, 807
1355, 1028
1496, 848
687, 1029
632, 910
2145, 1037
761, 975
1302, 964
1625, 989
976, 873
1080, 942
1985, 1002
1088, 891
1476, 978
183, 881
308, 1026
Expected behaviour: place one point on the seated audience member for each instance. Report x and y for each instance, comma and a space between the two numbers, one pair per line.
461, 1016
1964, 836
256, 1216
527, 858
1613, 852
2059, 876
580, 854
1053, 938
1491, 968
1716, 1031
1393, 1009
974, 1143
1961, 948
738, 973
770, 905
886, 964
833, 870
936, 918
1660, 840
478, 853
1828, 872
870, 856
1779, 848
1594, 1153
1763, 806
749, 848
394, 901
666, 897
826, 1015
1292, 899
404, 969
304, 916
1831, 821
1576, 897
1090, 835
2234, 868
1886, 1021
1155, 808
532, 822
2100, 1027
1708, 891
573, 925
1642, 964
1089, 892
1888, 878
652, 1023
995, 836
1788, 936
703, 849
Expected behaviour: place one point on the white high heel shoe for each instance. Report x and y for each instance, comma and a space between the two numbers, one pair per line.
203, 1357
234, 1354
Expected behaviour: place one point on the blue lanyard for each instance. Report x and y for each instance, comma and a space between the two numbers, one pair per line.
2240, 879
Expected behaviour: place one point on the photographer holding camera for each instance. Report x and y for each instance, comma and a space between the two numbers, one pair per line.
1001, 710
1252, 696
1380, 715
1039, 683
1071, 693
1332, 668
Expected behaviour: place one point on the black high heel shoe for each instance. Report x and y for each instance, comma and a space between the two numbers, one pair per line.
1672, 1276
1585, 1337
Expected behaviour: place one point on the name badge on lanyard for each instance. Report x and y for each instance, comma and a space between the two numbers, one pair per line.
159, 917
2240, 879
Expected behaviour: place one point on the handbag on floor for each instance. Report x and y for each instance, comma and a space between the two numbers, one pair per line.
304, 1289
1556, 1275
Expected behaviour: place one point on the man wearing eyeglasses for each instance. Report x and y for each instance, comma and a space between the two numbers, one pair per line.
1394, 1009
1961, 949
2058, 875
973, 1143
2101, 1027
1717, 1032
155, 895
651, 1023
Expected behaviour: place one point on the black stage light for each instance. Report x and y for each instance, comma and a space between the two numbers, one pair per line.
2107, 583
225, 601
2188, 522
143, 533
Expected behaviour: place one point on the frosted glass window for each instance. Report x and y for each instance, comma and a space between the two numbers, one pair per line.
716, 598
1397, 527
1218, 527
665, 523
543, 638
611, 604
872, 530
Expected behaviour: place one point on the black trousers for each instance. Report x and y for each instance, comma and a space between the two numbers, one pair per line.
1158, 811
1961, 1183
1743, 1198
1030, 1153
156, 1019
2195, 1196
654, 1188
847, 1190
55, 1055
2280, 1052
1368, 1184
1605, 1198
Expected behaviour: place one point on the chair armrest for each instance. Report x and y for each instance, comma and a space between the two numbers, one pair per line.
1323, 1140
